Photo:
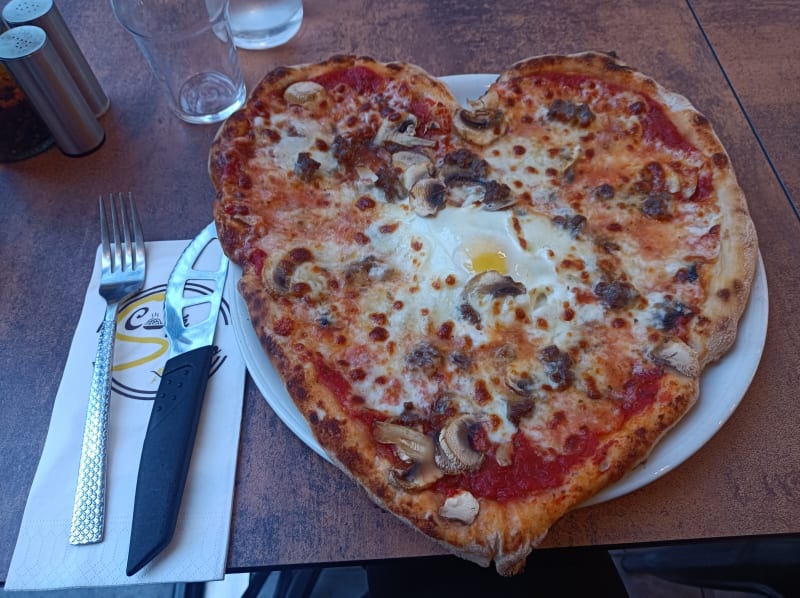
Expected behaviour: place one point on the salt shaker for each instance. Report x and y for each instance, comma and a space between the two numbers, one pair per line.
40, 73
45, 14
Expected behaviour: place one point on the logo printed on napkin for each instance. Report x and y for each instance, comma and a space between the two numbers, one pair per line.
141, 344
43, 557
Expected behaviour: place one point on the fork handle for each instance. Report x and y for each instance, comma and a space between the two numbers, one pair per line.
88, 513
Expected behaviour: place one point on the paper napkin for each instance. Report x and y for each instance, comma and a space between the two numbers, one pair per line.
43, 557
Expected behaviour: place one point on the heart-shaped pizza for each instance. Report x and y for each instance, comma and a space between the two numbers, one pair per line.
486, 313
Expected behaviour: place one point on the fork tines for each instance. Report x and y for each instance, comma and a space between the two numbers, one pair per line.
124, 223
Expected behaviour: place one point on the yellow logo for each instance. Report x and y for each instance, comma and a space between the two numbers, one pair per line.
141, 346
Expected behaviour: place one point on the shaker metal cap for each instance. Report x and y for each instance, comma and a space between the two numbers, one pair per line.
21, 42
22, 11
40, 73
45, 14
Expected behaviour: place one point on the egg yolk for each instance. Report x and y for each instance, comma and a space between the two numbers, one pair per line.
490, 260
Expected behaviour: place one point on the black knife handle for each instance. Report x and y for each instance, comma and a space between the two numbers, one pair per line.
166, 454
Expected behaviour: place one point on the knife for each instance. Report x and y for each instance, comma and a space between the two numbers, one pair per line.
169, 440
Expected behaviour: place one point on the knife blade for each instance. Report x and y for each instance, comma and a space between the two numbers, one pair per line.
168, 443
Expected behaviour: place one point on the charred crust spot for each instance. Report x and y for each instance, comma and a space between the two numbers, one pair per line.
612, 65
273, 349
724, 294
329, 428
720, 160
277, 74
700, 120
297, 388
351, 459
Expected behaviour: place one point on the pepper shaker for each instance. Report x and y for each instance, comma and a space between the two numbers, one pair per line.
45, 14
40, 73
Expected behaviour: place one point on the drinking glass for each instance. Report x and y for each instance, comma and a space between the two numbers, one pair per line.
189, 47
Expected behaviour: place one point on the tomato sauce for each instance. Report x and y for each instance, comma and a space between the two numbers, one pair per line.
705, 188
571, 80
658, 127
341, 389
533, 469
655, 122
431, 118
640, 391
358, 78
257, 257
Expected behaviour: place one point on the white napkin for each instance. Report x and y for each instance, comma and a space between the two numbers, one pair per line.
43, 557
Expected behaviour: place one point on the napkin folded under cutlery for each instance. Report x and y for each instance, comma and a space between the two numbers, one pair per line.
43, 557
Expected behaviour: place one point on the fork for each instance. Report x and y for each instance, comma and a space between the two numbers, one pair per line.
122, 270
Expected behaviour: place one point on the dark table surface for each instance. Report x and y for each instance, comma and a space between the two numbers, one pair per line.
735, 63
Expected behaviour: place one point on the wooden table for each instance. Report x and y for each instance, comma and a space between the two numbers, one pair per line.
291, 507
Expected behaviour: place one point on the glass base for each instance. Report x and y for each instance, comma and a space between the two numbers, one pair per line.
209, 97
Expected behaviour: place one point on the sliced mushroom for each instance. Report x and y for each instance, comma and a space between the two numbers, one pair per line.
304, 92
461, 507
279, 279
402, 133
492, 283
677, 355
427, 196
416, 477
482, 124
413, 165
412, 447
410, 444
454, 452
366, 271
504, 455
520, 380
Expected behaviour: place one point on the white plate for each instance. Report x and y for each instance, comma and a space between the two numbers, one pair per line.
722, 386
